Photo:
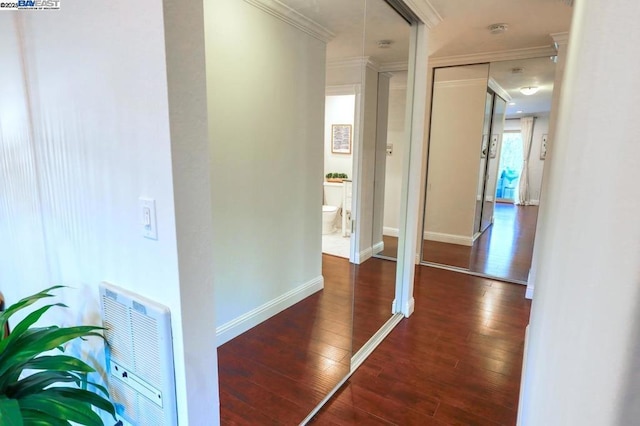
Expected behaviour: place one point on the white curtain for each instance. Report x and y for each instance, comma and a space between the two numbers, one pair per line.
526, 130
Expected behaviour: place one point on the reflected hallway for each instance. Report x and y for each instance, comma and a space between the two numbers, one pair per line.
504, 250
278, 371
456, 361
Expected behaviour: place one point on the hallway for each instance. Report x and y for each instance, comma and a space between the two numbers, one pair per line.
504, 250
455, 361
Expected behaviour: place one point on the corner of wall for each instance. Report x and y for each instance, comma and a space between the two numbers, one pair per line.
250, 319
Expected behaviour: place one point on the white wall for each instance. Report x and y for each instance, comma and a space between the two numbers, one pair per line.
85, 131
396, 136
266, 92
536, 165
382, 118
339, 109
454, 153
364, 215
583, 354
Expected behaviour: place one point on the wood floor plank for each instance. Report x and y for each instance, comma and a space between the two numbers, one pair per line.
296, 357
456, 350
504, 250
456, 360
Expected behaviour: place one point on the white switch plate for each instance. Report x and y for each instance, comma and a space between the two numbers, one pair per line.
148, 218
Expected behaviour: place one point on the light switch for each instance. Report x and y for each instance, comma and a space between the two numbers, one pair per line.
148, 218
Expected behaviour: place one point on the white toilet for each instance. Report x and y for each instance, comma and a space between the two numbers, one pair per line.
333, 193
329, 215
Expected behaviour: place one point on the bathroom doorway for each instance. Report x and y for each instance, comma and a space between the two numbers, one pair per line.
341, 104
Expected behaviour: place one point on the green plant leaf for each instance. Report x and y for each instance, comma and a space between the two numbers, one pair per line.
31, 344
23, 303
47, 362
62, 408
41, 397
37, 382
10, 414
24, 325
82, 395
36, 418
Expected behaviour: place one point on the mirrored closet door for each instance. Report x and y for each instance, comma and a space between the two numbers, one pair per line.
299, 94
475, 218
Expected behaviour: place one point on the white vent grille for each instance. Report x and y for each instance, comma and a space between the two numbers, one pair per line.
140, 354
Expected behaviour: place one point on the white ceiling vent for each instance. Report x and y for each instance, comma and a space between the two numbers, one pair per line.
139, 357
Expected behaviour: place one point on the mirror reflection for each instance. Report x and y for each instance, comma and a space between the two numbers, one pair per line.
389, 170
489, 124
298, 99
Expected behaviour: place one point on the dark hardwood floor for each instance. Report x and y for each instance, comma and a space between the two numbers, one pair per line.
504, 250
278, 371
455, 361
375, 282
390, 247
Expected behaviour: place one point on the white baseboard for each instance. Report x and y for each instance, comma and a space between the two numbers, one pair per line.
449, 238
378, 247
409, 307
529, 203
246, 321
364, 255
529, 293
390, 232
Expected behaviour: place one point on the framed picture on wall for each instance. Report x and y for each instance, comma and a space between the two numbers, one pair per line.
493, 148
341, 138
543, 147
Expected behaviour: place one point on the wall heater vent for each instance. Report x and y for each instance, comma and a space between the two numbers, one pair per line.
139, 357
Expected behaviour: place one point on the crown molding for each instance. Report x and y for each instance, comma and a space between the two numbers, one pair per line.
462, 82
504, 55
342, 89
394, 66
293, 18
560, 38
358, 61
425, 11
499, 89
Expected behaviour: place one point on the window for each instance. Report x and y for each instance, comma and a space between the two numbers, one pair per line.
510, 165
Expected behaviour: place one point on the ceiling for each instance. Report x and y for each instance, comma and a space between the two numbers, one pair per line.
358, 25
538, 72
463, 29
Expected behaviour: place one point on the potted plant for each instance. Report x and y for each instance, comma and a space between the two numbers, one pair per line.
336, 177
55, 390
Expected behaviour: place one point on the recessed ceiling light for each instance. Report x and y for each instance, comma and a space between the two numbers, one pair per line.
529, 90
519, 112
384, 44
498, 28
512, 103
